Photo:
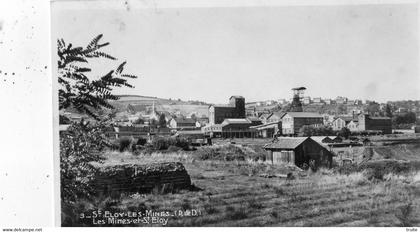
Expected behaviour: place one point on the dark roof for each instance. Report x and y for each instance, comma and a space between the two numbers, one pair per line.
184, 120
279, 114
321, 139
265, 126
303, 115
266, 115
299, 88
236, 96
346, 118
286, 143
380, 118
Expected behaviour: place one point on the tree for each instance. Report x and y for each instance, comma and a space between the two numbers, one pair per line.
153, 122
373, 108
341, 109
407, 118
79, 146
344, 132
139, 120
309, 130
388, 111
76, 88
83, 142
162, 121
306, 131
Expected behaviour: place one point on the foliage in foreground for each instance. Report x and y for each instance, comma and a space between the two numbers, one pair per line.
76, 88
79, 146
229, 153
81, 143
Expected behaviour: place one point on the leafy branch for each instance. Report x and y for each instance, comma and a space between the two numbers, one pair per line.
79, 91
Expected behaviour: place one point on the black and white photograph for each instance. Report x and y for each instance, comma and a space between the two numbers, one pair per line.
227, 114
290, 116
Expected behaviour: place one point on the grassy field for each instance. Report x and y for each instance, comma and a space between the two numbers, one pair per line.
234, 194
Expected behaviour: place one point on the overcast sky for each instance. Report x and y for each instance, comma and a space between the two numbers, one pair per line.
211, 53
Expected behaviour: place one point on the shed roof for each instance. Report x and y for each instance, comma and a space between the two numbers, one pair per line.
236, 121
320, 138
286, 143
190, 132
299, 88
303, 115
265, 115
265, 126
347, 119
380, 118
278, 114
184, 120
222, 106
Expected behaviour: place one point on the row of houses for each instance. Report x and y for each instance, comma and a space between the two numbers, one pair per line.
308, 100
338, 100
363, 122
231, 119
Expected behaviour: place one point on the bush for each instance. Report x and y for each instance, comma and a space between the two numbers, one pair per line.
404, 215
344, 132
309, 130
160, 143
210, 209
182, 143
163, 143
124, 143
79, 146
233, 213
347, 169
225, 153
174, 149
379, 168
253, 203
141, 141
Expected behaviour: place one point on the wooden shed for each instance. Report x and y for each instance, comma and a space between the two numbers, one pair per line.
298, 151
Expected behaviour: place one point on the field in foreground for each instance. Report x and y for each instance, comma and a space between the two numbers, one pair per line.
233, 194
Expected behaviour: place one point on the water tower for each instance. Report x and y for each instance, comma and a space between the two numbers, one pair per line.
298, 94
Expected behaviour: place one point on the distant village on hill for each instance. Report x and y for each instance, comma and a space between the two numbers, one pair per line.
140, 116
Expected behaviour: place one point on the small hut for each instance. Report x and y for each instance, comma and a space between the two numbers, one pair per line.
298, 151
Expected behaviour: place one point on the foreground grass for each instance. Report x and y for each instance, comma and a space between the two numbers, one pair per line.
234, 195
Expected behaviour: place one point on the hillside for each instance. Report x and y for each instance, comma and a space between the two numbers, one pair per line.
142, 103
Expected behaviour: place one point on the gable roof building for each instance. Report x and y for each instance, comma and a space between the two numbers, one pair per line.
370, 123
293, 121
182, 123
298, 151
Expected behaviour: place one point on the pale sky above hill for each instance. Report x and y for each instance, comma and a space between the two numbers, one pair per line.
211, 53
